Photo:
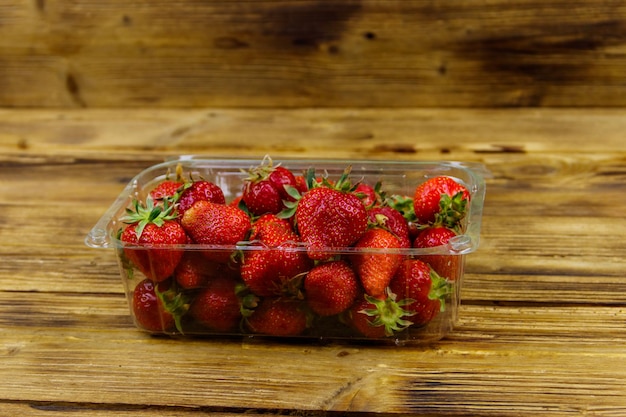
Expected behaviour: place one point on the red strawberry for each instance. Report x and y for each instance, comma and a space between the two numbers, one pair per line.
148, 309
194, 270
236, 201
330, 217
301, 184
368, 194
331, 288
271, 270
447, 266
217, 305
378, 317
374, 264
210, 223
150, 227
421, 289
199, 191
157, 307
440, 200
392, 220
262, 197
278, 317
166, 189
404, 205
264, 188
271, 220
169, 188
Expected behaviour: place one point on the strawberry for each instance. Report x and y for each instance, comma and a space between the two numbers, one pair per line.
264, 188
447, 266
157, 307
210, 223
166, 189
392, 220
440, 200
262, 197
420, 289
169, 188
199, 191
152, 226
301, 184
278, 317
236, 201
404, 205
330, 216
217, 305
269, 220
331, 288
377, 317
373, 263
368, 194
194, 270
272, 269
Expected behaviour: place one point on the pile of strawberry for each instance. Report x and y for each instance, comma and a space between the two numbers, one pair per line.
293, 254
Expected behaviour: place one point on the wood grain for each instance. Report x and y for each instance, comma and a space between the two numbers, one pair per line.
522, 141
399, 53
66, 347
541, 328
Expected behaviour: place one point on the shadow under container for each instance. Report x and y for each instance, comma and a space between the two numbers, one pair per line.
396, 178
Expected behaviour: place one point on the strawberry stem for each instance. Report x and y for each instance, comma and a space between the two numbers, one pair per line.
404, 205
389, 313
309, 177
175, 303
451, 211
290, 206
143, 215
440, 288
261, 171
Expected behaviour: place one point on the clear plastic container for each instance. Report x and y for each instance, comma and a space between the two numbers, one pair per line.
395, 178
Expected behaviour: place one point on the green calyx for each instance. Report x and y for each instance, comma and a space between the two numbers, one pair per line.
404, 205
260, 172
451, 211
248, 301
389, 313
174, 302
343, 184
440, 288
153, 213
290, 206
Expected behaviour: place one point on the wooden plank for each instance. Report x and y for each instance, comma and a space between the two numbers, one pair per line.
265, 53
496, 352
540, 286
62, 409
508, 139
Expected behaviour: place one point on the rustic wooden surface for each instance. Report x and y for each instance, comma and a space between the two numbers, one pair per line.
267, 53
541, 329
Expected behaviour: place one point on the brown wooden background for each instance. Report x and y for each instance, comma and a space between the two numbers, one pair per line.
94, 91
261, 53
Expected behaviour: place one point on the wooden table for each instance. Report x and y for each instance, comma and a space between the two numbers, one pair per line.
541, 329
